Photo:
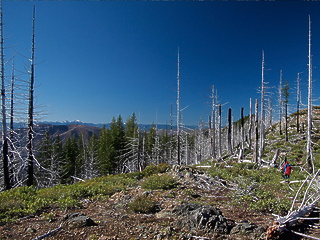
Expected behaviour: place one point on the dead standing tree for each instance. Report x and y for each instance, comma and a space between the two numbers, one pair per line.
178, 114
309, 159
262, 121
30, 150
280, 104
212, 124
285, 91
230, 132
5, 157
298, 101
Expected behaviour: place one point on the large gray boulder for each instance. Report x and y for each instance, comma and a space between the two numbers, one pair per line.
193, 216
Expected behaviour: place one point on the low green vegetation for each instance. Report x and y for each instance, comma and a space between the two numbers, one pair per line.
163, 181
257, 189
143, 204
23, 201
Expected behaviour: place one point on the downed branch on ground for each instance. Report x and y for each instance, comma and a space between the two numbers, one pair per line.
306, 205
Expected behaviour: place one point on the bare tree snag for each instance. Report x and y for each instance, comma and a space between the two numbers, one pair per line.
230, 131
309, 160
220, 126
213, 125
262, 121
5, 157
298, 101
30, 158
178, 113
280, 104
250, 125
256, 144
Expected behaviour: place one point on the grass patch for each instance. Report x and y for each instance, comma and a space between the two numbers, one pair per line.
23, 201
259, 189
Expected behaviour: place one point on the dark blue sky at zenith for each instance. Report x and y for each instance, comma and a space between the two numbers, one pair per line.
98, 59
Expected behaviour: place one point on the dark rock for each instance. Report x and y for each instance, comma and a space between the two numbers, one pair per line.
76, 220
193, 216
249, 229
195, 195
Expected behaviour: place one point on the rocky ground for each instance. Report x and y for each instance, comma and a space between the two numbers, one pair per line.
199, 208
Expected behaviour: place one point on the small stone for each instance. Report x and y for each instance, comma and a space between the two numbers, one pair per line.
30, 230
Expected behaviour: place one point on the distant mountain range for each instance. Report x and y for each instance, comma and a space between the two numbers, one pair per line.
76, 128
107, 125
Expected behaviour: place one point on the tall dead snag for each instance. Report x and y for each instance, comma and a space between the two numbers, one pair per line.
220, 128
30, 158
5, 157
285, 91
309, 160
270, 113
280, 103
242, 128
11, 139
250, 125
178, 113
262, 121
256, 133
213, 125
11, 104
298, 101
230, 131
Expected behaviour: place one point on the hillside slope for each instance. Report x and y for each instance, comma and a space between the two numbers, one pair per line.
196, 206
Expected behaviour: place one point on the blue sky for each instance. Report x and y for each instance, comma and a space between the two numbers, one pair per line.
98, 59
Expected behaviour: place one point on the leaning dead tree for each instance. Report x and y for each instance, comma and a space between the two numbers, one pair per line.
304, 202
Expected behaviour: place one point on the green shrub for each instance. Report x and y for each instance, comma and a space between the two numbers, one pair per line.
154, 169
143, 204
163, 181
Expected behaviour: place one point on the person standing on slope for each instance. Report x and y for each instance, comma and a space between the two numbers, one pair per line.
286, 170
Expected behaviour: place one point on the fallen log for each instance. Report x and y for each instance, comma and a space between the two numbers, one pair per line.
49, 233
307, 205
304, 235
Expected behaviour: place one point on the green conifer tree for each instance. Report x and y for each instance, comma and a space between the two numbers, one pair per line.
45, 151
105, 152
58, 156
150, 144
117, 133
71, 153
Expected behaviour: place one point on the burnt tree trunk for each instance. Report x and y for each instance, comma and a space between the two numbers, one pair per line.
30, 158
5, 148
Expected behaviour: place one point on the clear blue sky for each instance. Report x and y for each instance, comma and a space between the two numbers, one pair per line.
99, 59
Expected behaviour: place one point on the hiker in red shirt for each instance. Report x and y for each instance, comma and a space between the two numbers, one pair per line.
286, 170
